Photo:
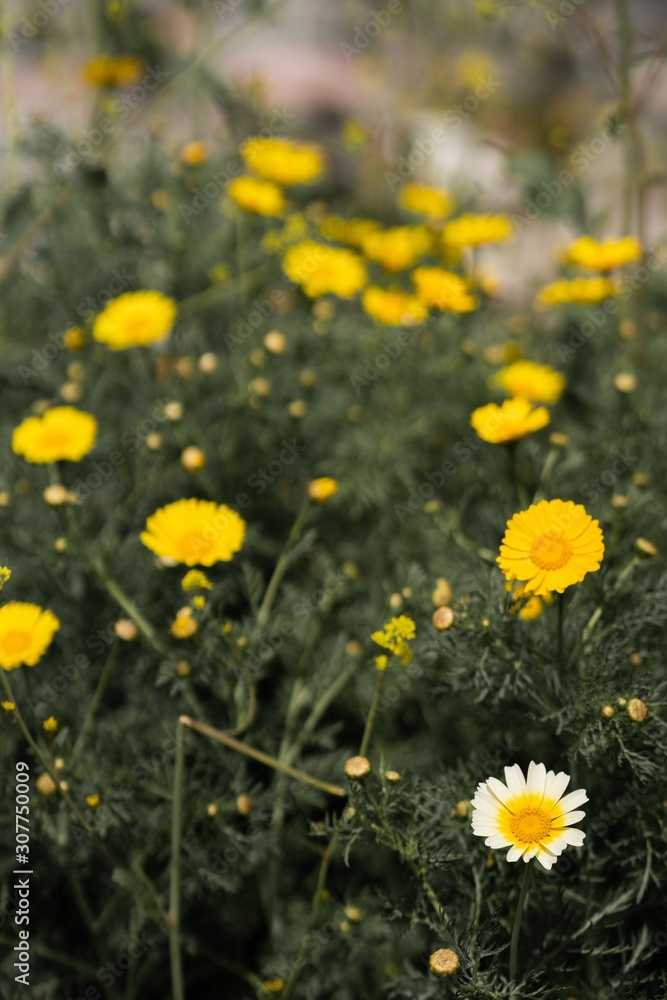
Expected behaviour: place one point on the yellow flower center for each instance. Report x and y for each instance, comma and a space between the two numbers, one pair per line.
551, 550
16, 641
530, 825
137, 324
55, 439
194, 545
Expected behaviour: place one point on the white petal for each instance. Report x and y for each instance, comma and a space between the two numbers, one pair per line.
572, 801
531, 852
546, 859
516, 782
501, 792
537, 777
575, 838
497, 841
516, 852
569, 818
556, 785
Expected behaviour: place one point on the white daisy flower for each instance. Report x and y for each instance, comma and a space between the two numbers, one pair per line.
529, 815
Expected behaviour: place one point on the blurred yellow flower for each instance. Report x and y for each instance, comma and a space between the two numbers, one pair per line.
135, 319
112, 71
392, 307
294, 231
395, 637
74, 338
539, 383
8, 706
254, 195
525, 604
183, 627
195, 532
398, 248
509, 422
473, 230
603, 256
443, 290
62, 433
422, 199
352, 232
26, 631
283, 160
550, 546
322, 489
194, 579
583, 291
320, 269
194, 153
50, 725
5, 575
92, 801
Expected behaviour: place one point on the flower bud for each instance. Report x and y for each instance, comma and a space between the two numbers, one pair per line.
443, 618
607, 712
212, 810
637, 710
244, 805
126, 629
442, 595
625, 382
392, 775
45, 784
193, 459
321, 490
207, 363
443, 962
645, 547
55, 495
183, 668
357, 768
275, 342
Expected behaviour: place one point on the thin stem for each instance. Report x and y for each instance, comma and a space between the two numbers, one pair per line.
97, 697
366, 738
281, 566
130, 608
174, 917
263, 758
516, 929
561, 619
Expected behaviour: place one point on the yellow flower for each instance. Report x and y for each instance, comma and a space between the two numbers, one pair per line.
529, 815
294, 231
273, 985
444, 290
605, 255
473, 230
8, 706
194, 532
26, 631
550, 546
194, 579
422, 199
508, 422
352, 232
183, 627
199, 602
62, 433
584, 291
381, 662
283, 160
254, 195
322, 489
539, 383
525, 604
74, 338
393, 307
398, 248
395, 637
110, 71
5, 575
135, 319
92, 801
193, 153
50, 725
320, 269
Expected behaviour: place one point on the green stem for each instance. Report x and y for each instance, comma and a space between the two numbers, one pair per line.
516, 929
97, 697
366, 738
281, 566
561, 639
174, 917
219, 736
130, 608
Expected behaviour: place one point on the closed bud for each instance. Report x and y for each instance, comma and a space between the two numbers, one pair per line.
126, 630
207, 363
443, 962
637, 710
55, 495
357, 768
645, 547
607, 712
244, 805
193, 459
442, 595
443, 618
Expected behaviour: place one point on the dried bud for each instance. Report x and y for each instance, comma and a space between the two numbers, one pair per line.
443, 618
126, 629
193, 459
357, 768
645, 547
275, 342
184, 368
244, 805
55, 494
443, 962
637, 710
442, 595
636, 659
